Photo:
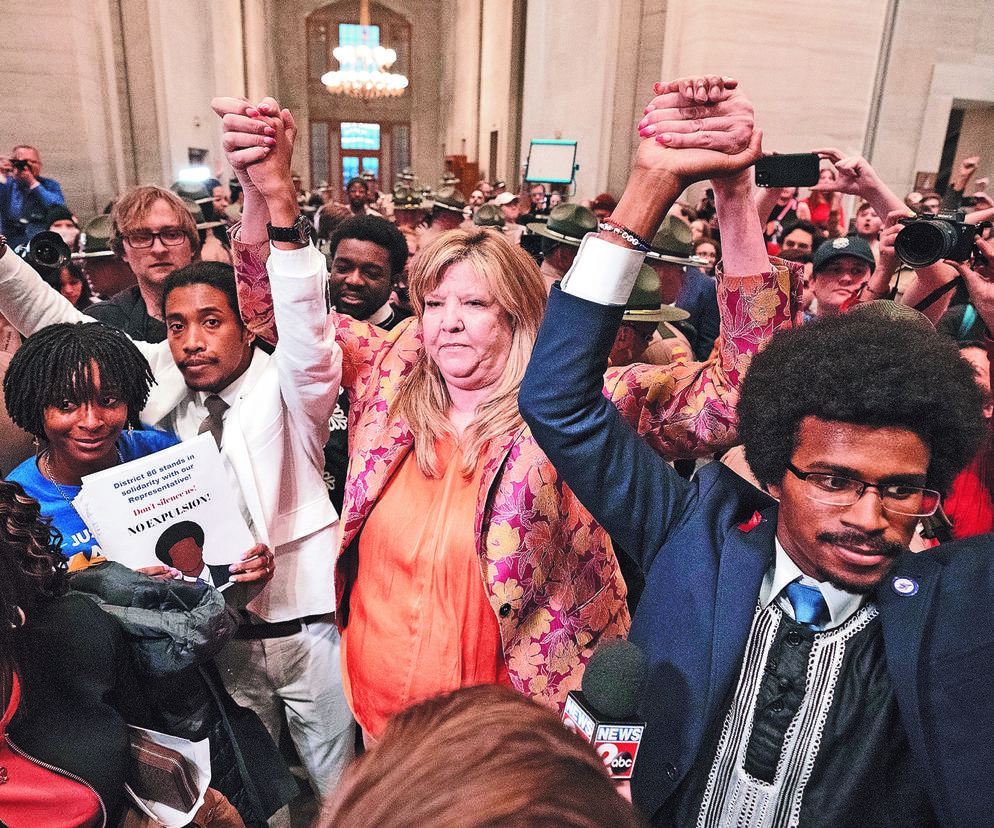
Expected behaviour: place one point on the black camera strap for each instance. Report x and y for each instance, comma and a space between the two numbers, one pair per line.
938, 293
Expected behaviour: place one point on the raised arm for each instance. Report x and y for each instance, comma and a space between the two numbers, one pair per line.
307, 358
689, 410
617, 476
855, 176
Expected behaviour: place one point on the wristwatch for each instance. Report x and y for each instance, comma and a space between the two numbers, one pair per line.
297, 233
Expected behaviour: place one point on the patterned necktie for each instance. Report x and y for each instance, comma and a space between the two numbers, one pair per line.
808, 603
214, 421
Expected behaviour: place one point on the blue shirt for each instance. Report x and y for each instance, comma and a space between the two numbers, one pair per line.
76, 537
23, 210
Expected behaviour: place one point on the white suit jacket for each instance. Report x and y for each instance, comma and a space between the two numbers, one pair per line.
274, 434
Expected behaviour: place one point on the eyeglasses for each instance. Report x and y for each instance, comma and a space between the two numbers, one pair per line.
836, 490
170, 236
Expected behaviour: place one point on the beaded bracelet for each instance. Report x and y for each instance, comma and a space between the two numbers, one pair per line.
633, 238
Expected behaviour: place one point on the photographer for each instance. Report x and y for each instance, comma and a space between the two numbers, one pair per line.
25, 196
927, 279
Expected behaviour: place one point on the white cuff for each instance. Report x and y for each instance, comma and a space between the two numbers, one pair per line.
602, 272
300, 262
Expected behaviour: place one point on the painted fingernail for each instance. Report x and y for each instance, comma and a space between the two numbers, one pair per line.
664, 138
269, 140
269, 131
645, 132
252, 113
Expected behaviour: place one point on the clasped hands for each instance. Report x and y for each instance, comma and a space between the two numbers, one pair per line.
258, 142
698, 128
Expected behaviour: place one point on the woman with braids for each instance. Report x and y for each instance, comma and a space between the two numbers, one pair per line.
76, 387
65, 679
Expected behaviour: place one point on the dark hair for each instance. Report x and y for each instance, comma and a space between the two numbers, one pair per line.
861, 369
32, 566
173, 535
801, 224
213, 274
357, 180
56, 364
54, 280
713, 242
373, 229
479, 756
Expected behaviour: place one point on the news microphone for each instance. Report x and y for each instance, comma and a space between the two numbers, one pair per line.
603, 710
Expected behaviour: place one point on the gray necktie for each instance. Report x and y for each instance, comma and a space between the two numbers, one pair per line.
214, 421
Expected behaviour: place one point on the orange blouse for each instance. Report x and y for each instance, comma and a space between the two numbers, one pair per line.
420, 621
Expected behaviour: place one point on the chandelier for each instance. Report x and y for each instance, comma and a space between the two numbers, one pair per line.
362, 72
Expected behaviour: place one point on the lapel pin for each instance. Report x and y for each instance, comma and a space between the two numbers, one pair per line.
905, 586
752, 523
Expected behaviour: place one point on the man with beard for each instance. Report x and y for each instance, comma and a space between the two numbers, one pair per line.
834, 707
804, 668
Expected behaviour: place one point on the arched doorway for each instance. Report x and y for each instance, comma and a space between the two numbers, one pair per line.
349, 135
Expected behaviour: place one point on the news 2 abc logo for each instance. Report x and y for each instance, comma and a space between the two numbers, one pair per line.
618, 761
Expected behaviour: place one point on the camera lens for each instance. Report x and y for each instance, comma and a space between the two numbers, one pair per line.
47, 250
46, 254
923, 243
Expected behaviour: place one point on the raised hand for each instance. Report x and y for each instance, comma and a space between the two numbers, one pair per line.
854, 175
246, 139
258, 140
697, 128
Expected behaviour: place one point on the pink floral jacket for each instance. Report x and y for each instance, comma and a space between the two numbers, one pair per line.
548, 568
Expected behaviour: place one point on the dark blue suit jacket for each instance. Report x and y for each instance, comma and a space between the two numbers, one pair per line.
704, 569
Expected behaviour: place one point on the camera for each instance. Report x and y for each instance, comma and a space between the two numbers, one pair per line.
46, 252
20, 164
924, 240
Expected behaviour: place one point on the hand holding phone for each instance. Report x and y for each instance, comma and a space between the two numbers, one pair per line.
788, 170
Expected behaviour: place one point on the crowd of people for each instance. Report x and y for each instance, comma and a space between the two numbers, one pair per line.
473, 441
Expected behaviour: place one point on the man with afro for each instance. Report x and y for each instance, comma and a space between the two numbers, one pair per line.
804, 667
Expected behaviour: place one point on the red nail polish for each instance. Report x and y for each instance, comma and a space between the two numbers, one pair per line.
269, 140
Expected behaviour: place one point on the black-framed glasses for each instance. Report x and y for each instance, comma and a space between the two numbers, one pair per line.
836, 490
169, 236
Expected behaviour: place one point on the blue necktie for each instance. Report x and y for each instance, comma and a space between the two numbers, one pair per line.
808, 603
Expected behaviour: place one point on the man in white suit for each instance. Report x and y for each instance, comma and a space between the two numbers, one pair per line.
272, 432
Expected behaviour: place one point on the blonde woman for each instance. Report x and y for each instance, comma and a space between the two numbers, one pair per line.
464, 559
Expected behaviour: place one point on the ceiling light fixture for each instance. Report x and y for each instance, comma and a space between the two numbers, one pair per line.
362, 73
